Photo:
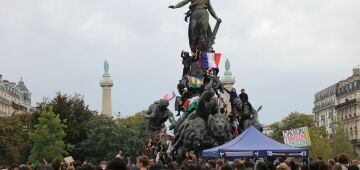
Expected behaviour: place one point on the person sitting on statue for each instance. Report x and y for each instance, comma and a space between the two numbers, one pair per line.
187, 94
178, 105
217, 85
187, 60
244, 99
243, 96
233, 95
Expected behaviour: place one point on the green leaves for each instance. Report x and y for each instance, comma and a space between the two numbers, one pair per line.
106, 137
321, 144
292, 121
11, 138
340, 142
75, 114
48, 137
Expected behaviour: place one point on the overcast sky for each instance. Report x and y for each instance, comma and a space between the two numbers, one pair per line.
281, 51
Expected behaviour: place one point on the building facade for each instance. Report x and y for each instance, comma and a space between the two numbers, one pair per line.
14, 98
348, 107
267, 130
340, 102
324, 108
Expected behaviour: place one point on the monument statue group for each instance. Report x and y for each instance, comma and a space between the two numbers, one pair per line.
204, 121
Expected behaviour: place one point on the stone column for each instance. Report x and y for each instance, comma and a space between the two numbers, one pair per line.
228, 81
106, 83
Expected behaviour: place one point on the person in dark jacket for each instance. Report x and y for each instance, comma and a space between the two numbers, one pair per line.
244, 99
233, 96
243, 96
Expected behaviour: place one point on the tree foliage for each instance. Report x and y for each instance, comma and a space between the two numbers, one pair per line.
26, 146
47, 137
340, 140
292, 121
106, 137
74, 113
320, 145
137, 124
11, 138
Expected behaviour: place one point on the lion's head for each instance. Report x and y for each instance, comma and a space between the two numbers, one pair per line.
219, 126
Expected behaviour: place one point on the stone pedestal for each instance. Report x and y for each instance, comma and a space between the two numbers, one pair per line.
228, 82
106, 84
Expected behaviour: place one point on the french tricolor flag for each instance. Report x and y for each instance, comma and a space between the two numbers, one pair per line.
209, 60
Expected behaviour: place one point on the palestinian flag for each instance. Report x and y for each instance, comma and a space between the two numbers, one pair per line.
191, 104
195, 82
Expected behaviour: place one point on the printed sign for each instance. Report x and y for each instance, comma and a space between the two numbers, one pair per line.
299, 137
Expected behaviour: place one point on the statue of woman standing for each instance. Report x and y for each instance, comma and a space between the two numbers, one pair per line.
199, 29
106, 67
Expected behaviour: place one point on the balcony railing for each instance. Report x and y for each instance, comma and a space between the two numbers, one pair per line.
5, 101
323, 106
346, 103
18, 106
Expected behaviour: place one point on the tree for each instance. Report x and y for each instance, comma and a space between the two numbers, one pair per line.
25, 120
11, 139
105, 137
104, 140
74, 113
340, 141
320, 146
292, 121
47, 137
137, 124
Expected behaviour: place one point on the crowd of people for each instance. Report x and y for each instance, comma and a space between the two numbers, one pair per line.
143, 162
158, 148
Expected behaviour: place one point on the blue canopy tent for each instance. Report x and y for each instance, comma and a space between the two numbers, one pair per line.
253, 143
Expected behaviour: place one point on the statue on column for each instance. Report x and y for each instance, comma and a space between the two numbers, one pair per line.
106, 67
200, 36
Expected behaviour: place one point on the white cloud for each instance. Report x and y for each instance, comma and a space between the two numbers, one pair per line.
281, 51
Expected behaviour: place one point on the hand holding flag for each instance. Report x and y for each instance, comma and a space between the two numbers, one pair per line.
169, 96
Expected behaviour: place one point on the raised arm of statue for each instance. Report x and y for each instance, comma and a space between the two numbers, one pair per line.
180, 4
212, 11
